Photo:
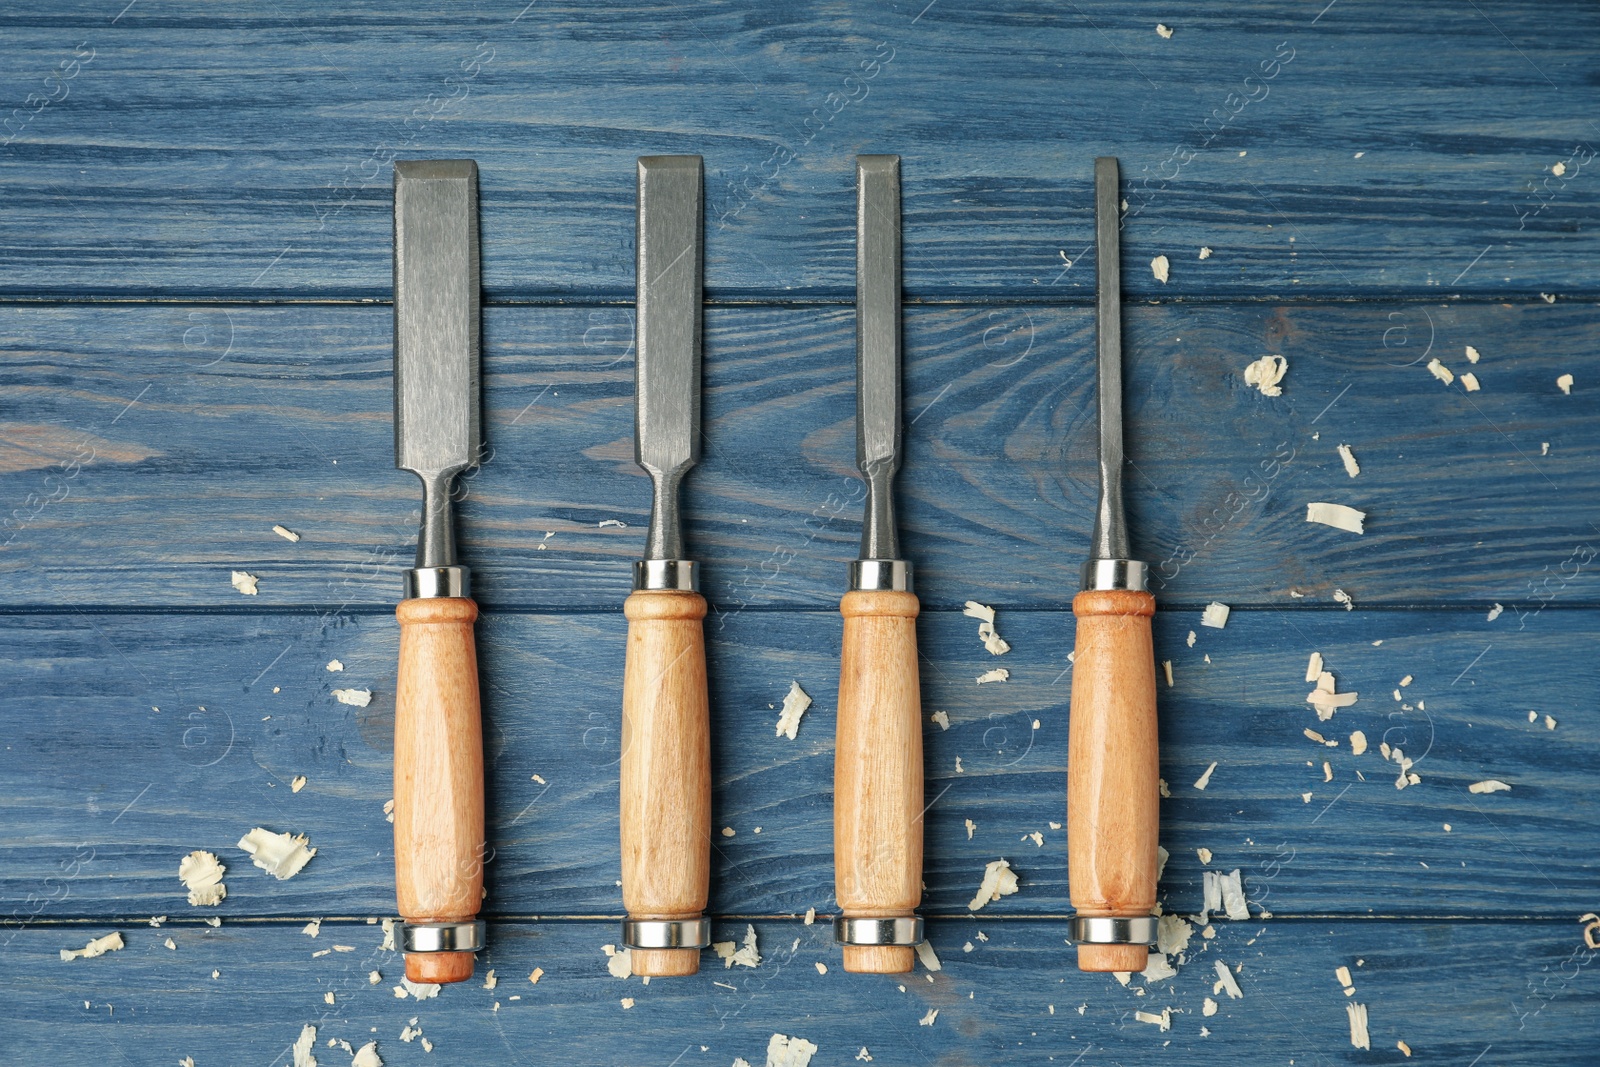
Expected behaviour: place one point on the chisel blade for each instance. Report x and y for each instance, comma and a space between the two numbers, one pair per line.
667, 361
878, 431
436, 299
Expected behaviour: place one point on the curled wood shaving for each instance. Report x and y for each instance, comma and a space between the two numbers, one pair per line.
1265, 374
999, 880
926, 954
789, 1051
1491, 785
1215, 615
1172, 934
201, 874
795, 703
747, 955
98, 946
280, 855
942, 719
245, 583
1164, 1020
1226, 983
999, 674
1591, 932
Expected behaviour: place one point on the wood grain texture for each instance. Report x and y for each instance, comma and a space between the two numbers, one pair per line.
283, 416
1113, 768
438, 776
666, 769
143, 794
1423, 982
1365, 150
877, 771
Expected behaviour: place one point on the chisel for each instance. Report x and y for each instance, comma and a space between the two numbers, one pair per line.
877, 769
666, 728
438, 734
1112, 769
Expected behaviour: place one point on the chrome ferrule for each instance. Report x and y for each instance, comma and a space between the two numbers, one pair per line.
437, 582
441, 937
666, 933
678, 575
901, 930
870, 575
1114, 574
1113, 930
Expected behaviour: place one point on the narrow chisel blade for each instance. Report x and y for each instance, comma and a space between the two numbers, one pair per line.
878, 432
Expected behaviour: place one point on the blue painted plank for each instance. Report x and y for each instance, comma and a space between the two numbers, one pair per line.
207, 426
88, 765
1367, 149
1514, 994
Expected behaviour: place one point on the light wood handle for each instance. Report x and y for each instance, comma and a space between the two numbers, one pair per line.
877, 772
1112, 769
666, 770
438, 776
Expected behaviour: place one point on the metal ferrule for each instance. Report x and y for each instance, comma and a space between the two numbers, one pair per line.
903, 930
1113, 930
437, 582
679, 575
872, 575
441, 937
1114, 574
666, 933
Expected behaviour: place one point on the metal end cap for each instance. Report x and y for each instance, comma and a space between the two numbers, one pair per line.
441, 937
437, 582
680, 575
874, 575
903, 930
1114, 574
1113, 930
666, 933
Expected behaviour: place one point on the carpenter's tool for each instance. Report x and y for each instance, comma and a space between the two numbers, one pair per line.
438, 734
877, 769
1112, 770
666, 729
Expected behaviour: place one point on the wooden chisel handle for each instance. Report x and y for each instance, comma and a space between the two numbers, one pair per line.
438, 777
1112, 769
877, 772
666, 770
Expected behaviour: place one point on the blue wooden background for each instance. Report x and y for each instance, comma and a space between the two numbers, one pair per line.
194, 263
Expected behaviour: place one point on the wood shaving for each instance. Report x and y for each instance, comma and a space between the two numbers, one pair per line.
1164, 1020
999, 880
1469, 382
1314, 667
297, 783
173, 945
1224, 893
201, 874
627, 1002
746, 956
1343, 975
1265, 374
1208, 1007
811, 916
1491, 785
1440, 371
1215, 615
1036, 837
618, 961
1327, 771
285, 533
356, 698
388, 809
280, 855
1341, 597
1205, 253
1191, 638
1166, 667
1351, 467
1162, 856
1591, 932
1157, 969
1226, 983
795, 703
1161, 268
1204, 854
1205, 779
312, 929
999, 674
789, 1051
334, 665
538, 973
864, 1056
971, 826
1472, 354
1339, 516
327, 998
1165, 33
1326, 700
986, 631
367, 1056
1358, 1025
303, 1045
245, 583
1172, 934
941, 719
1401, 1045
1549, 723
929, 959
97, 947
1564, 383
415, 990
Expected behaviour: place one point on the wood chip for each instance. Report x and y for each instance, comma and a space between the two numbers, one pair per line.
746, 955
1265, 374
1215, 615
98, 946
1564, 383
1469, 382
999, 674
795, 703
1205, 253
1164, 1020
1343, 975
1491, 785
367, 1055
1166, 667
245, 583
1472, 354
1225, 981
301, 1049
1208, 1007
297, 783
356, 698
929, 959
1358, 1025
941, 719
1160, 267
280, 855
1314, 667
201, 874
999, 880
312, 929
1165, 33
285, 533
971, 826
1401, 1045
789, 1051
1339, 516
619, 962
1351, 467
334, 665
538, 973
1205, 778
1440, 371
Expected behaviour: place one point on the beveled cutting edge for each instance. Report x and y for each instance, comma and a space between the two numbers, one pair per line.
878, 404
437, 429
667, 362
